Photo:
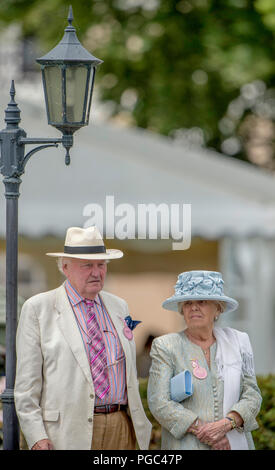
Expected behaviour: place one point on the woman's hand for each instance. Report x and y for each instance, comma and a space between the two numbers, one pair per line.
212, 433
195, 427
222, 444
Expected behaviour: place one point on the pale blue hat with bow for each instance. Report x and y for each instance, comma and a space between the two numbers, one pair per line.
200, 285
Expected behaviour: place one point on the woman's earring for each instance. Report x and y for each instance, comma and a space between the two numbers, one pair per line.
216, 318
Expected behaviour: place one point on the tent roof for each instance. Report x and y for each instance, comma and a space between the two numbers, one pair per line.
227, 196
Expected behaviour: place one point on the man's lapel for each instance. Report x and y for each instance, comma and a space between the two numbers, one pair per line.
70, 330
117, 315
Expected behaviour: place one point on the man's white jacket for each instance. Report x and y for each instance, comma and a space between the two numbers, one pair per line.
54, 392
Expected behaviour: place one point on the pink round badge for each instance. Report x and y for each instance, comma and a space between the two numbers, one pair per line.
127, 332
198, 371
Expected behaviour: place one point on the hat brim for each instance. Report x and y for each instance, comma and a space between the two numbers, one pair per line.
172, 302
110, 254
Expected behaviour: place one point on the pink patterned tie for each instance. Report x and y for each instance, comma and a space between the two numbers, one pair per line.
98, 361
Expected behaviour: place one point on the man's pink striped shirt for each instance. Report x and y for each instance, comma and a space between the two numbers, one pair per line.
114, 352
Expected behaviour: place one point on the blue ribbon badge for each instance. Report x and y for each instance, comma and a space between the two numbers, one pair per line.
131, 323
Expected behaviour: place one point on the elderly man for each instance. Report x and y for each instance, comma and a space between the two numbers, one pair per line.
76, 382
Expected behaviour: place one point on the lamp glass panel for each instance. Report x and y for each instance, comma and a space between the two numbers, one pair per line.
90, 93
53, 79
76, 78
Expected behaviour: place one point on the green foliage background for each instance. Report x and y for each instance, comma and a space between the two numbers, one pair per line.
181, 61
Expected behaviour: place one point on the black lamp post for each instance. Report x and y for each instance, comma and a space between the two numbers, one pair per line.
68, 73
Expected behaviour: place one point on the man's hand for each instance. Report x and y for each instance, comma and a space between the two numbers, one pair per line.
2, 384
44, 444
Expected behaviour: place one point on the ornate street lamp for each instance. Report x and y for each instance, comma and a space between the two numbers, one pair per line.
68, 73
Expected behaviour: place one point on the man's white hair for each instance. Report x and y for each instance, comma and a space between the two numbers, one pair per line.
60, 264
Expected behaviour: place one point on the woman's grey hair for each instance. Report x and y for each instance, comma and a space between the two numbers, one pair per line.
221, 304
180, 304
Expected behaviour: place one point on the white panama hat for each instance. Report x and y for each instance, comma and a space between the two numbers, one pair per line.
86, 243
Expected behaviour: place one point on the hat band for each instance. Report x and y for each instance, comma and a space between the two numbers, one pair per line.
83, 250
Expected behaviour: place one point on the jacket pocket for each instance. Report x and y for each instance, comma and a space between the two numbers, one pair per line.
50, 415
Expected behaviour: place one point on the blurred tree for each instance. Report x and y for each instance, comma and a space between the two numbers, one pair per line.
195, 69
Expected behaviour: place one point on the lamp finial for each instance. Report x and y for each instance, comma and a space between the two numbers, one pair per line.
12, 91
12, 113
70, 16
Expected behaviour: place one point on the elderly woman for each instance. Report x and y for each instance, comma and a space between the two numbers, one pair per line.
221, 408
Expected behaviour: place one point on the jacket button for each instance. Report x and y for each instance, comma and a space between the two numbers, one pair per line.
92, 396
90, 420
